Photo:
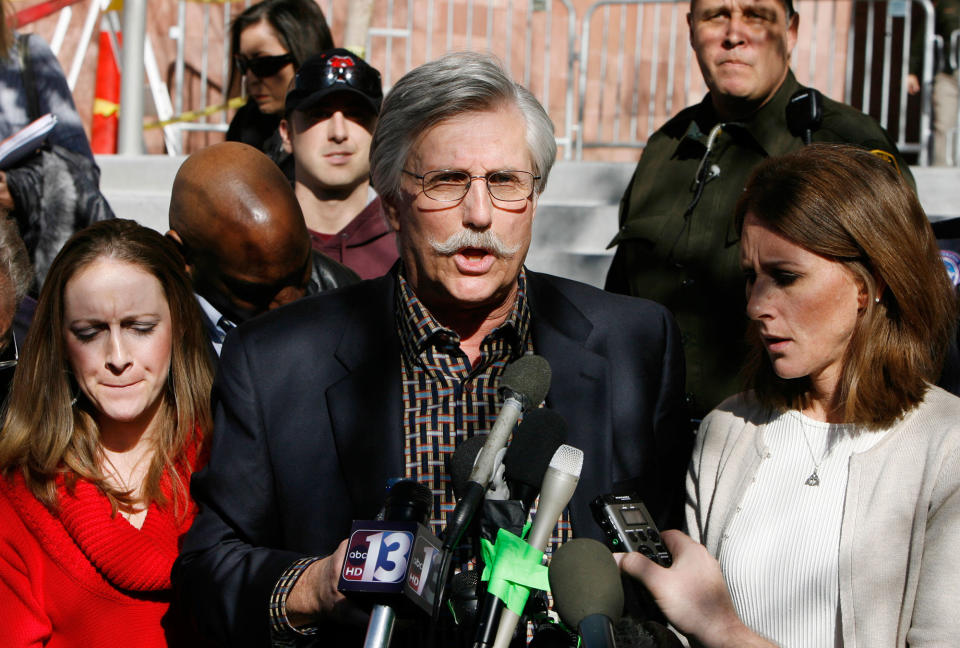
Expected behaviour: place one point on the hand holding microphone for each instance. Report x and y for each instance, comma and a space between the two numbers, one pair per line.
692, 593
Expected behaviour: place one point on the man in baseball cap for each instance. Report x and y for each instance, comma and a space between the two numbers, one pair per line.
331, 111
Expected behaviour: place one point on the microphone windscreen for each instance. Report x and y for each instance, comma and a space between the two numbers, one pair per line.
408, 501
528, 378
541, 432
585, 580
568, 460
462, 460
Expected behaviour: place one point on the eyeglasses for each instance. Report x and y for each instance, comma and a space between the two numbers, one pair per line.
449, 185
9, 364
262, 66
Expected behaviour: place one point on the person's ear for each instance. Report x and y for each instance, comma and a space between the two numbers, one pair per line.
793, 26
391, 213
174, 236
284, 130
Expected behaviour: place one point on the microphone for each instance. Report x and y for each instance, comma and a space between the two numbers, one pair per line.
461, 465
559, 482
591, 610
389, 560
541, 432
524, 384
463, 604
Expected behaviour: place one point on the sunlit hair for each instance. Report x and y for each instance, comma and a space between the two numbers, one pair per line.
45, 434
455, 84
14, 259
6, 34
299, 25
850, 206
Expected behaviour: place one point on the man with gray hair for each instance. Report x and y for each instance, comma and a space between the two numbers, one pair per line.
321, 404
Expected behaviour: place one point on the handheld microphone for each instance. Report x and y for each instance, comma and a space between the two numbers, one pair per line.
591, 610
559, 483
541, 432
386, 559
462, 463
524, 384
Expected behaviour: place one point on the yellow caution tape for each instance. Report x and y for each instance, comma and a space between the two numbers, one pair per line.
193, 115
105, 108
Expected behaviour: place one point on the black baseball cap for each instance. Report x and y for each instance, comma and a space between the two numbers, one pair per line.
334, 70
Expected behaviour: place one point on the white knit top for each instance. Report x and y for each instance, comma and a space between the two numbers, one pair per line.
780, 552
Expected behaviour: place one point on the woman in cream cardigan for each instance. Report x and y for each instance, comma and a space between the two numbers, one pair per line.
827, 498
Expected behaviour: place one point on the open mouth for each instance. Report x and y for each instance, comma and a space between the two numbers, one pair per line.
472, 260
774, 343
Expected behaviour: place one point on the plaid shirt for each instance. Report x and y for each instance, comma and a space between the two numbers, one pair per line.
445, 401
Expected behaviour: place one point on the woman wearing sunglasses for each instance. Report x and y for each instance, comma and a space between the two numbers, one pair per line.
269, 41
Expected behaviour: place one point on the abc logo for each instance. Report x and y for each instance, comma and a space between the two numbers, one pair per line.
377, 556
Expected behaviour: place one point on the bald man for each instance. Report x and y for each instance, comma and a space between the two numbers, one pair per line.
243, 237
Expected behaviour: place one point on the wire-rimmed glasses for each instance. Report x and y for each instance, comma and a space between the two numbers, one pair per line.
450, 185
11, 363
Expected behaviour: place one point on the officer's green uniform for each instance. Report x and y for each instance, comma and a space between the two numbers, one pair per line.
692, 264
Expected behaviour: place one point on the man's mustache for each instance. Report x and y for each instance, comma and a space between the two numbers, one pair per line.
467, 238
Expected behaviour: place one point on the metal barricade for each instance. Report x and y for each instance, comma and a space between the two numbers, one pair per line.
534, 39
641, 70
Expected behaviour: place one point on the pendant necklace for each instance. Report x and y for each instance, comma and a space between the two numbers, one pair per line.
814, 478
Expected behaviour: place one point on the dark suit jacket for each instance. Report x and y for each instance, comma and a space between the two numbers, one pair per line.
308, 430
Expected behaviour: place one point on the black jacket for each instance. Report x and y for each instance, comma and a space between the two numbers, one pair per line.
308, 411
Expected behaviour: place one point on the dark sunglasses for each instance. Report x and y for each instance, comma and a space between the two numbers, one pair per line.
262, 66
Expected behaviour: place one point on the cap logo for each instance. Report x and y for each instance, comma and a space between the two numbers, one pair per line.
340, 62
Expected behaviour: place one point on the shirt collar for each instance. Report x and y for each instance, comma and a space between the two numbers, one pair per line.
217, 325
418, 328
767, 127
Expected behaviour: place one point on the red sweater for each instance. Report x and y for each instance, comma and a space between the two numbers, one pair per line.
367, 244
85, 577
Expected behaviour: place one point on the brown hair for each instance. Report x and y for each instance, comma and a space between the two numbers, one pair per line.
299, 24
45, 434
850, 206
6, 33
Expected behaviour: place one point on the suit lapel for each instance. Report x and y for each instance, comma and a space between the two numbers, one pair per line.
365, 405
579, 389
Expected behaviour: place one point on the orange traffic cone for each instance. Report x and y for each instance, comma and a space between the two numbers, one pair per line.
103, 130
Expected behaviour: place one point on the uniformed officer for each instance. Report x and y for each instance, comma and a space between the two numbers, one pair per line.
677, 242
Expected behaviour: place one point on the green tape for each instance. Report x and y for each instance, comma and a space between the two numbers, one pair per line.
513, 568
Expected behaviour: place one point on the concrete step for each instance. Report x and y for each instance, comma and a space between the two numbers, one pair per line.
576, 215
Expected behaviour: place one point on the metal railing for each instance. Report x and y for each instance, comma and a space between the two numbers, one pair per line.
608, 77
534, 39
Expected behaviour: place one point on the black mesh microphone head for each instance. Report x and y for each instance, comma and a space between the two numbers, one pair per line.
541, 432
408, 501
527, 379
462, 460
585, 580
